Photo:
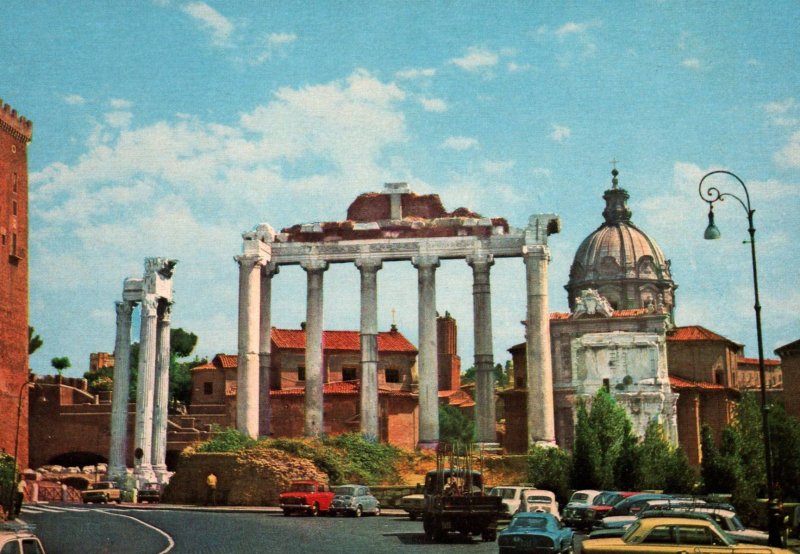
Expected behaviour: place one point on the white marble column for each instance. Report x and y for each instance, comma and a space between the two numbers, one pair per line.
485, 427
247, 393
314, 424
428, 362
117, 463
161, 398
265, 350
541, 424
369, 347
143, 468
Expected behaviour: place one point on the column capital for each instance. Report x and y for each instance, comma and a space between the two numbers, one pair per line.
536, 251
124, 308
425, 262
369, 264
250, 260
270, 269
479, 260
165, 311
149, 305
314, 265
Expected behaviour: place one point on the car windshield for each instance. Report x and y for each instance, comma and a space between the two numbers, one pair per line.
502, 492
736, 523
101, 486
607, 499
539, 499
528, 523
579, 497
346, 491
301, 487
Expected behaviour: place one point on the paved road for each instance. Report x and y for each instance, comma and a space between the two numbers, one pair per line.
125, 530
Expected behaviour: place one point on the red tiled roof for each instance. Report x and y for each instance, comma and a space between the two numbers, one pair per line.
695, 332
337, 387
682, 384
741, 360
204, 367
633, 312
228, 360
393, 341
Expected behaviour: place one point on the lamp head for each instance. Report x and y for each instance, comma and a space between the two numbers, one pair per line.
712, 233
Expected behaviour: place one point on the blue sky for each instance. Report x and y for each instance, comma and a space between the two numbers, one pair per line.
168, 128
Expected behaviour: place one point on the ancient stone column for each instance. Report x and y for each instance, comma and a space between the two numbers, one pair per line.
247, 393
145, 390
428, 362
314, 425
161, 398
485, 428
369, 347
541, 418
265, 350
117, 463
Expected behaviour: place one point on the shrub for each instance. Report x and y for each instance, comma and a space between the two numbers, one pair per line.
226, 439
549, 468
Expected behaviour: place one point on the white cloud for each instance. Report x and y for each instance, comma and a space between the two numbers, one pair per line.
477, 59
572, 28
514, 67
433, 104
560, 133
118, 119
779, 107
120, 104
75, 100
789, 156
691, 63
210, 20
541, 172
415, 73
281, 38
460, 143
498, 167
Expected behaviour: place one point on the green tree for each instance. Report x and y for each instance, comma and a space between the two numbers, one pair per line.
584, 452
625, 468
454, 426
182, 344
549, 468
34, 341
748, 425
60, 364
653, 456
681, 477
718, 473
607, 420
785, 434
468, 376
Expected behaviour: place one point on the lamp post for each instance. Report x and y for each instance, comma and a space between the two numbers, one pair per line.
13, 490
712, 195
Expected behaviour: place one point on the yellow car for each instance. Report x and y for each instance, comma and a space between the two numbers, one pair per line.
674, 535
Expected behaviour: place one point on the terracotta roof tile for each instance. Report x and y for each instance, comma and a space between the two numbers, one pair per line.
204, 367
341, 340
228, 360
338, 387
695, 332
683, 384
741, 360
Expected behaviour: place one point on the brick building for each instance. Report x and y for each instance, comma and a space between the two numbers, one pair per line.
790, 365
15, 134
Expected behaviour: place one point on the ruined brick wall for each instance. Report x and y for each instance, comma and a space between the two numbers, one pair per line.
15, 133
790, 364
449, 361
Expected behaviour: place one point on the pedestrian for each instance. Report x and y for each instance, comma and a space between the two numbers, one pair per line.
20, 495
211, 490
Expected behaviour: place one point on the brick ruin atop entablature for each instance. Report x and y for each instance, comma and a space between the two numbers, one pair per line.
397, 213
16, 125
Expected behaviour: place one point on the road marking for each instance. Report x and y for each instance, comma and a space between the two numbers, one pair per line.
153, 527
38, 510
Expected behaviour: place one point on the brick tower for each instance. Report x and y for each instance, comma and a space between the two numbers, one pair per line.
15, 133
449, 361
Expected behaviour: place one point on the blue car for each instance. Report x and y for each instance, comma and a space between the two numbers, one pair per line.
534, 533
354, 500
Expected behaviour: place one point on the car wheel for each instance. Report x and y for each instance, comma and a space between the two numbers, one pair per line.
412, 516
358, 512
377, 510
570, 548
287, 512
314, 510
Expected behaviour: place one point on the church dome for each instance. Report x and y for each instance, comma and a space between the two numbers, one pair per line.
621, 261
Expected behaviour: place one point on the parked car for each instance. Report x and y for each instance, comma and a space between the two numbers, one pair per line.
511, 497
306, 497
731, 524
538, 500
18, 539
150, 493
574, 513
414, 504
602, 505
534, 532
633, 504
102, 491
354, 500
673, 535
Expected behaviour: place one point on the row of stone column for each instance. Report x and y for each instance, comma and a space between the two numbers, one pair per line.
255, 280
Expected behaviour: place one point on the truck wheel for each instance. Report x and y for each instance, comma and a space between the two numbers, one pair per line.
314, 510
412, 516
489, 535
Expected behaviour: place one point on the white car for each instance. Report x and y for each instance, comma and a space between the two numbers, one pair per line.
20, 540
512, 498
537, 500
575, 511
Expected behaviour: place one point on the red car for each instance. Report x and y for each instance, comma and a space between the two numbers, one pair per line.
306, 497
602, 505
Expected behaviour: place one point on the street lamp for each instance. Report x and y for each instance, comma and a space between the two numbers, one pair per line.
712, 195
13, 490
